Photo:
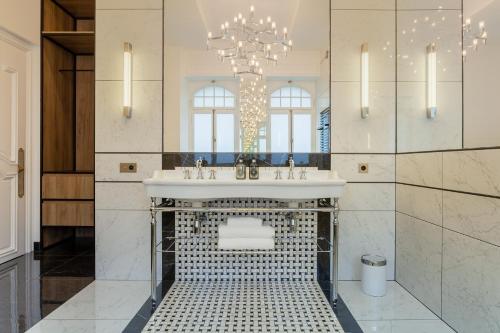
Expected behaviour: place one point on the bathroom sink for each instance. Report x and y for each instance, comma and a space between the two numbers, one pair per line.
171, 184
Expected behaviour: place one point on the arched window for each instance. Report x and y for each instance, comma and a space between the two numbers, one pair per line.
213, 97
290, 97
214, 121
291, 120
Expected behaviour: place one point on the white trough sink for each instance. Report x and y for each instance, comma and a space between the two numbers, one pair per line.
171, 184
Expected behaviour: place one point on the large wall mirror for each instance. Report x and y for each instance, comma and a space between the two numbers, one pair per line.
247, 76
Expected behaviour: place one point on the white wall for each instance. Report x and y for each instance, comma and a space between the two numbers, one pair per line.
21, 17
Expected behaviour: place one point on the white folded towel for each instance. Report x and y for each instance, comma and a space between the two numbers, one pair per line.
246, 244
244, 231
244, 221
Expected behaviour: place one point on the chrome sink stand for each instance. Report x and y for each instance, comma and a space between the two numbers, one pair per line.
324, 206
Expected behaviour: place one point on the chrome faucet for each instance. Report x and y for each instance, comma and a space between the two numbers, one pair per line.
291, 164
199, 167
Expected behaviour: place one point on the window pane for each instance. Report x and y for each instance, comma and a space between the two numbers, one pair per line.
219, 91
276, 93
279, 133
295, 102
301, 133
202, 130
228, 93
262, 145
219, 102
225, 132
305, 93
275, 102
296, 92
209, 91
229, 102
209, 102
285, 92
285, 102
199, 93
306, 102
198, 102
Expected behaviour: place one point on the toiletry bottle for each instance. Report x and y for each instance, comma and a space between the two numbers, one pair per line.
254, 170
241, 169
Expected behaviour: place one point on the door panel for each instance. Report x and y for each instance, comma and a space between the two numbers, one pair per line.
13, 94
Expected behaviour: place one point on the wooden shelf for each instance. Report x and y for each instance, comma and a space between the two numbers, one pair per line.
78, 42
79, 9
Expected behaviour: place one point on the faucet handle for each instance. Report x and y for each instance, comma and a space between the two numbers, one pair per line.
277, 174
212, 174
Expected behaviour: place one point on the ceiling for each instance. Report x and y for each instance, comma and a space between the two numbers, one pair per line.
187, 22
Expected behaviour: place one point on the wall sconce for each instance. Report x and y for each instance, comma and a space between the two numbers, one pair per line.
365, 88
431, 81
127, 80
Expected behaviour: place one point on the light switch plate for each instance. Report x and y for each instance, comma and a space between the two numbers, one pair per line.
363, 168
128, 167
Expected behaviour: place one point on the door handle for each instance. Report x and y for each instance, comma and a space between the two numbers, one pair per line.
20, 172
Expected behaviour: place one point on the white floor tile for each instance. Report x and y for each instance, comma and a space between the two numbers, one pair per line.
405, 326
79, 326
105, 300
396, 304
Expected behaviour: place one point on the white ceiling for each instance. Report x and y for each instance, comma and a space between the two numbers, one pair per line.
187, 22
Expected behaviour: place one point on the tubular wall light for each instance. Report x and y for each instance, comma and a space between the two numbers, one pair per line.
431, 81
365, 88
127, 80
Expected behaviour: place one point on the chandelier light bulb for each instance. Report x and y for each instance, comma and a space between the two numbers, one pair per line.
269, 19
252, 8
209, 34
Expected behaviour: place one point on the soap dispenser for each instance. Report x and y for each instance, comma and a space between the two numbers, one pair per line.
241, 170
254, 170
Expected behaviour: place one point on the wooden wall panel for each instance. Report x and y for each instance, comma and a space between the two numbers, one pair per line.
68, 213
57, 108
55, 18
85, 25
68, 186
85, 121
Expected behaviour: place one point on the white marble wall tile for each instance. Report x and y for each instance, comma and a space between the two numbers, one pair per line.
405, 326
418, 259
121, 196
143, 29
428, 4
122, 250
420, 169
368, 196
363, 4
353, 134
352, 28
140, 133
423, 203
381, 168
471, 296
107, 166
128, 4
416, 30
364, 232
474, 171
418, 133
472, 215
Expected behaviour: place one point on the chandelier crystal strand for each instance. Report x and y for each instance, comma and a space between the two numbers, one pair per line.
253, 109
249, 43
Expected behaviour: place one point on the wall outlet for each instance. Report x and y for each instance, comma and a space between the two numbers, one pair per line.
128, 167
363, 168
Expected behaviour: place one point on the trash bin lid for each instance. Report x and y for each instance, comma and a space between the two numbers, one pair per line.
373, 260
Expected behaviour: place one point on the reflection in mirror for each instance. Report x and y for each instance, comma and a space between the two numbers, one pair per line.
429, 77
247, 77
481, 73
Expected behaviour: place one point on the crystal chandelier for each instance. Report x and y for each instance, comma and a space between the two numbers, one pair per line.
471, 37
253, 109
247, 44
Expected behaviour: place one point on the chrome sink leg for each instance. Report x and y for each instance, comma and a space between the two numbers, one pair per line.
334, 251
153, 252
199, 218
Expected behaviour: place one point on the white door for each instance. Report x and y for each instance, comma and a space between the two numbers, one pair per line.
14, 67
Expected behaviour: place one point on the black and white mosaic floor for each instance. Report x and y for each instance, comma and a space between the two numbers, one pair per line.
233, 307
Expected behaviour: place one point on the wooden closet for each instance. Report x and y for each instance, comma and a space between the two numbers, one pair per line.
67, 84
